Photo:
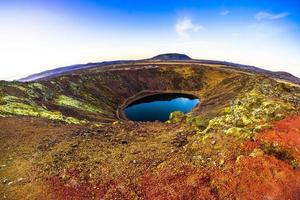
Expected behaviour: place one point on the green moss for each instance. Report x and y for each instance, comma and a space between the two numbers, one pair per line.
72, 120
257, 152
37, 86
280, 153
9, 98
15, 108
2, 101
262, 127
96, 125
246, 120
247, 114
295, 164
239, 133
198, 122
176, 117
28, 106
39, 91
20, 87
74, 88
63, 100
277, 151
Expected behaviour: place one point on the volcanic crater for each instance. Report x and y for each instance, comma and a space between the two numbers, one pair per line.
64, 134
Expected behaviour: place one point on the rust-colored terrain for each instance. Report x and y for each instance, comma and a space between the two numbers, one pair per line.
65, 137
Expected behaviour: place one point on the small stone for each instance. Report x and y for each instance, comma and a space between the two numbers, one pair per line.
4, 181
124, 142
20, 179
238, 159
74, 145
257, 152
134, 162
221, 161
213, 142
116, 123
11, 182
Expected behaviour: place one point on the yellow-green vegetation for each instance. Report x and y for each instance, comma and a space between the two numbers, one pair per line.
176, 117
8, 98
39, 91
37, 86
248, 114
13, 105
14, 108
185, 71
279, 152
20, 87
38, 99
63, 100
275, 149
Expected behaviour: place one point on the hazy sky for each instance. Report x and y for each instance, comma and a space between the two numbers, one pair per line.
40, 35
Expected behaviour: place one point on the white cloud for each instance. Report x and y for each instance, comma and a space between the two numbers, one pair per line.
236, 34
185, 25
270, 16
224, 12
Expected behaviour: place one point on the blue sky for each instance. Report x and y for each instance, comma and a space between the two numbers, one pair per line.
40, 35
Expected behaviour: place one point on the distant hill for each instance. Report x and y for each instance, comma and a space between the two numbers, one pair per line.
62, 70
171, 56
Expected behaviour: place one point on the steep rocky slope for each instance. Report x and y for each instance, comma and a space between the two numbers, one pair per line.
64, 137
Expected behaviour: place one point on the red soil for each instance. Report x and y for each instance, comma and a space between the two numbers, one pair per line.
251, 178
261, 177
286, 133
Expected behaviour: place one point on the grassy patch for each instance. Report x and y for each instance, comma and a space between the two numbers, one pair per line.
63, 100
14, 108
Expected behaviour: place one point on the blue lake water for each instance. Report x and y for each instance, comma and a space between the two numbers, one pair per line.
159, 106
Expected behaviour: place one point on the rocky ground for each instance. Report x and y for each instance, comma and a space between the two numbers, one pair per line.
63, 139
